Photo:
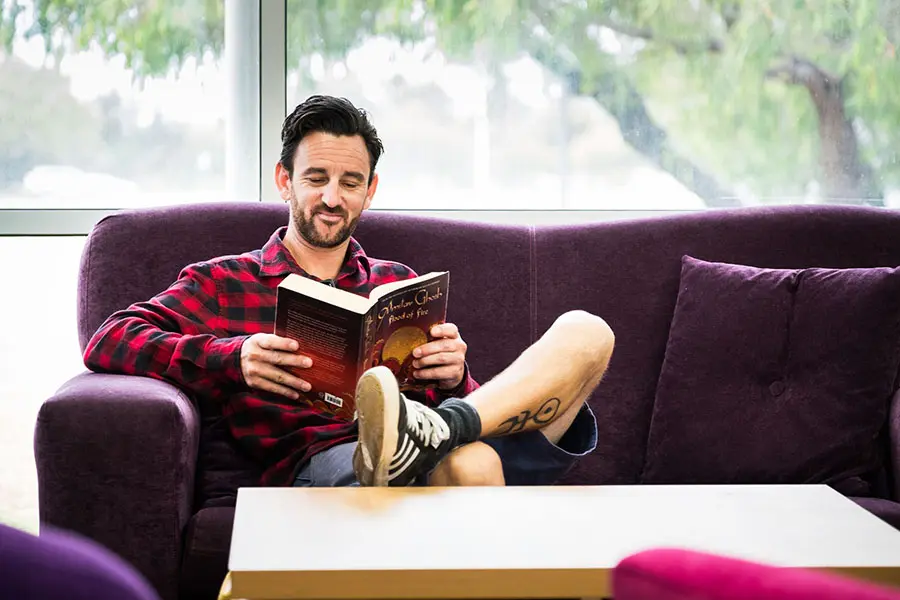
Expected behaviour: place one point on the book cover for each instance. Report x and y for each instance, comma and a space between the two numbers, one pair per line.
345, 334
402, 322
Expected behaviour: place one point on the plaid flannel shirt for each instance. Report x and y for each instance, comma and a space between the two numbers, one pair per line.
191, 335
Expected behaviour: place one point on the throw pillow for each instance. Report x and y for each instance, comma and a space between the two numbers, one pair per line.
776, 376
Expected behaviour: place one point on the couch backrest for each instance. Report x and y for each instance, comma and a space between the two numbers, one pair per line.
628, 272
133, 255
510, 282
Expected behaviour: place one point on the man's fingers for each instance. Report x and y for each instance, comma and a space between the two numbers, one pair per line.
445, 330
259, 356
286, 359
438, 346
268, 386
441, 358
271, 341
439, 373
282, 377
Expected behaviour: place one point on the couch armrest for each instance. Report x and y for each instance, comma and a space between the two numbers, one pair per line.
116, 457
894, 450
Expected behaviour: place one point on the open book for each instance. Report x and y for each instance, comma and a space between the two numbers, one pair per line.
345, 334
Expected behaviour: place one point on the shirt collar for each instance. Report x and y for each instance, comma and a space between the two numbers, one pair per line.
276, 260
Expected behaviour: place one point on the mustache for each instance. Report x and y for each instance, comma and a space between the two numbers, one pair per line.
330, 211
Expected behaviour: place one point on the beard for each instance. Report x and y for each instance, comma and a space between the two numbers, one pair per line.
307, 229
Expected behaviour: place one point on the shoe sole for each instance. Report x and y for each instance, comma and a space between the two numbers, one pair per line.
377, 424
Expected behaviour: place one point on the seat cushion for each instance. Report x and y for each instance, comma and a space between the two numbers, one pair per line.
222, 466
886, 510
206, 546
776, 376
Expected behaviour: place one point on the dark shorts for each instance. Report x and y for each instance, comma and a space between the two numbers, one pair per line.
528, 458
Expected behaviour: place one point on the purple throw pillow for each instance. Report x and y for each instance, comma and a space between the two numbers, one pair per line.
776, 376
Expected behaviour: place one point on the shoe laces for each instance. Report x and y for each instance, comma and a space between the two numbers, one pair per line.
428, 426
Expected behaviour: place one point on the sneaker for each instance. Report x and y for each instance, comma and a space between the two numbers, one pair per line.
399, 439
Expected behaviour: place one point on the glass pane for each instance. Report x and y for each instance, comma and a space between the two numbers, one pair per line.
111, 104
624, 104
39, 352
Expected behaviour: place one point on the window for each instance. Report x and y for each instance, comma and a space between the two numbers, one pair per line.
619, 104
111, 105
39, 350
103, 105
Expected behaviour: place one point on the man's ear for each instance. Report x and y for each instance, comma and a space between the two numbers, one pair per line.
283, 182
371, 191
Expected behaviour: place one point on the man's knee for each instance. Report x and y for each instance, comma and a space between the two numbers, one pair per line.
593, 335
469, 465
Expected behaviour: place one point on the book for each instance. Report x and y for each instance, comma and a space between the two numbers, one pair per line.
346, 334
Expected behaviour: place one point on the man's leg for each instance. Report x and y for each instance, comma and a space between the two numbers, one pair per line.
543, 389
538, 447
330, 468
470, 464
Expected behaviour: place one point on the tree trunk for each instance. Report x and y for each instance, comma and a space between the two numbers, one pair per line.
845, 176
614, 92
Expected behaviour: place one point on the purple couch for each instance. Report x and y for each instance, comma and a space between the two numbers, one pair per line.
145, 470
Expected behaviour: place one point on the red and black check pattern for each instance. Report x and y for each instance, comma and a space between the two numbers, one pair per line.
191, 335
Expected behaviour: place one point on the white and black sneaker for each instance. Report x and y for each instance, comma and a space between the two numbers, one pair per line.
399, 439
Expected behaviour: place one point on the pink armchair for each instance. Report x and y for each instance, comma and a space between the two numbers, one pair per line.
676, 574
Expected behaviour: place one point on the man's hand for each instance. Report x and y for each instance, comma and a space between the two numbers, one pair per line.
264, 357
443, 359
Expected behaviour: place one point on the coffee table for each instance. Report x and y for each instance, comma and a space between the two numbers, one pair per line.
532, 542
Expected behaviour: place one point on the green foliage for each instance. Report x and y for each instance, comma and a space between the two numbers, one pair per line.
41, 123
704, 70
30, 131
154, 36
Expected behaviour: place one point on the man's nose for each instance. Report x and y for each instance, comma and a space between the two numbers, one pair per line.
331, 195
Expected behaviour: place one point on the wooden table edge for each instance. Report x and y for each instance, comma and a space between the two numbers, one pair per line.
464, 584
431, 583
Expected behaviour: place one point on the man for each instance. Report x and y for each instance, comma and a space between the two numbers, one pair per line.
208, 333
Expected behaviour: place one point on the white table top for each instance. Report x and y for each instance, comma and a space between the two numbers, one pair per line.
532, 541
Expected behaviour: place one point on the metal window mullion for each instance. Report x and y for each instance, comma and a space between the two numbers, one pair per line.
272, 91
242, 72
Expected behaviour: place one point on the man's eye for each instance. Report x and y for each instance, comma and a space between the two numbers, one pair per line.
351, 184
317, 180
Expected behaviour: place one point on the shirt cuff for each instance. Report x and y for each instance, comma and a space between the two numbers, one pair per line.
223, 356
465, 387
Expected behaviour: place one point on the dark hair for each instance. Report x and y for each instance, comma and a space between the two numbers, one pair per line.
328, 114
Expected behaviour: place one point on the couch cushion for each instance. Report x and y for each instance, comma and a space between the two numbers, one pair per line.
886, 510
776, 376
206, 546
222, 466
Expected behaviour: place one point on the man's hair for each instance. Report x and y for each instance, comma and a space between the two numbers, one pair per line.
328, 114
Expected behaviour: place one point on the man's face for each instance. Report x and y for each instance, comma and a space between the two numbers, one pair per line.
329, 188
